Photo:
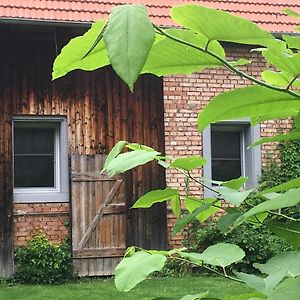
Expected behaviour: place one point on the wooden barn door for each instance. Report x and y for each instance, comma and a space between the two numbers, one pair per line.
98, 217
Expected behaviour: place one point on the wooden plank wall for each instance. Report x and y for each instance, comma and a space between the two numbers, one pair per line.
100, 111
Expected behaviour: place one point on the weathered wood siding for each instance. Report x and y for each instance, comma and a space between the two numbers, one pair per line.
100, 111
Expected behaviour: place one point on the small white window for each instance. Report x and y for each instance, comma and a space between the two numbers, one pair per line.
40, 159
225, 146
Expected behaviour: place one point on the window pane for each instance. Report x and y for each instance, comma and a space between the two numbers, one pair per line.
34, 157
226, 154
34, 140
225, 144
34, 171
224, 170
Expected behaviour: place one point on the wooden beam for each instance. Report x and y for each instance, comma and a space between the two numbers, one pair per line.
98, 252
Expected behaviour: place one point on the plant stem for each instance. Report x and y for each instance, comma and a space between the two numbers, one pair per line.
228, 65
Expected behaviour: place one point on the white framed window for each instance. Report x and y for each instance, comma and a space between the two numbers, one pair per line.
40, 159
225, 146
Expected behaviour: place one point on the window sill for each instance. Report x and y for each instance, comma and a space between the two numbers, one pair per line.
41, 197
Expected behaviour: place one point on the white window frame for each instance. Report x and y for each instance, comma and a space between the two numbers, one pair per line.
60, 191
250, 157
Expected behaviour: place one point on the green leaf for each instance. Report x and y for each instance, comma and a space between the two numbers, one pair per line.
289, 289
225, 222
156, 196
272, 116
291, 13
176, 206
170, 57
235, 184
291, 184
135, 268
289, 231
220, 25
287, 262
248, 296
184, 221
297, 121
279, 78
115, 151
195, 297
261, 284
188, 163
288, 199
193, 203
291, 136
135, 146
129, 36
249, 101
292, 41
72, 55
126, 161
234, 197
240, 62
284, 60
221, 255
258, 219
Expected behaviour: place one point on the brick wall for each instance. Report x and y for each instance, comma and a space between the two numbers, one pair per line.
51, 218
185, 96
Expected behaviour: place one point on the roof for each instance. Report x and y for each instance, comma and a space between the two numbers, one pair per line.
266, 13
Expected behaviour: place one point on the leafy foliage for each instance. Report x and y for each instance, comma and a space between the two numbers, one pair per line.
135, 46
42, 262
258, 243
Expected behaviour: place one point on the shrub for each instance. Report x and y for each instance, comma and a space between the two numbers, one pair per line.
289, 168
258, 243
42, 262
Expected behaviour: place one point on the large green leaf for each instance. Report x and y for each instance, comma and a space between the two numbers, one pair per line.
261, 284
288, 199
195, 297
115, 151
291, 136
193, 203
170, 57
284, 60
292, 41
279, 78
72, 55
289, 231
291, 184
287, 262
234, 197
236, 183
129, 36
176, 206
135, 268
248, 296
289, 289
188, 163
220, 25
272, 116
156, 196
126, 161
221, 255
249, 101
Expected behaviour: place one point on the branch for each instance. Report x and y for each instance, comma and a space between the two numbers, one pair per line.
227, 64
206, 267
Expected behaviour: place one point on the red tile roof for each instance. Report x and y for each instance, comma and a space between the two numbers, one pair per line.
266, 13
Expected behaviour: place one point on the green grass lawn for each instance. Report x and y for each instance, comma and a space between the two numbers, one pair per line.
105, 289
